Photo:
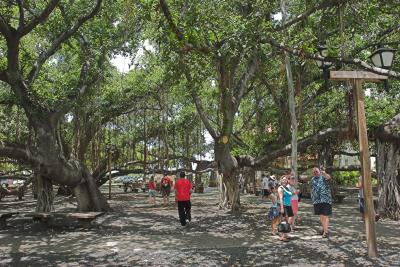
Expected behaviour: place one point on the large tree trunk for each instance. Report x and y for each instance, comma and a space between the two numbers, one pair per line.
388, 167
45, 195
54, 167
388, 172
227, 166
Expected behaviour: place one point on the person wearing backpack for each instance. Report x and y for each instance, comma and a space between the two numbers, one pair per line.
165, 187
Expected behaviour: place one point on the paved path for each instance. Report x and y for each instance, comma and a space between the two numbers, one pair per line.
136, 234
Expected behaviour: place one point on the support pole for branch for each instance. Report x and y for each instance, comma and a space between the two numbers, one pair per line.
366, 170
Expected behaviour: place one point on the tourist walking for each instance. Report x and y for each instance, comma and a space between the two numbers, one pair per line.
322, 198
183, 189
152, 191
166, 185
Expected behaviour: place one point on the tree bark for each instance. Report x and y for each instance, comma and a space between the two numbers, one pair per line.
227, 166
388, 172
388, 167
45, 195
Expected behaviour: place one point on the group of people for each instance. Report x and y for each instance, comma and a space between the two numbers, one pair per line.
165, 189
183, 191
285, 197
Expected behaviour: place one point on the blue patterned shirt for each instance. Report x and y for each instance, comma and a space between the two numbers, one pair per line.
320, 190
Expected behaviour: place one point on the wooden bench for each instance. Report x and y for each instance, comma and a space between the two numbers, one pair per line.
4, 216
85, 218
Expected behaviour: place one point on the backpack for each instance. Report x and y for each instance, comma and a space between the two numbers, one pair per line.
165, 182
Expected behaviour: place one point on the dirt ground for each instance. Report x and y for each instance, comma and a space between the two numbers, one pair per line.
137, 234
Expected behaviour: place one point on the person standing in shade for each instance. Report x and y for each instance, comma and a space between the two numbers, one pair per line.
152, 191
166, 184
265, 190
285, 204
183, 189
322, 198
294, 200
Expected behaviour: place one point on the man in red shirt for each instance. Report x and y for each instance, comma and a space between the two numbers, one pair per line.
183, 189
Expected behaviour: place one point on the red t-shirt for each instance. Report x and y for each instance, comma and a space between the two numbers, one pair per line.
183, 187
152, 185
166, 181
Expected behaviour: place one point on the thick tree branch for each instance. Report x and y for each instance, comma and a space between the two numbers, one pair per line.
338, 61
242, 85
4, 27
17, 152
199, 106
303, 144
61, 39
178, 33
21, 13
25, 29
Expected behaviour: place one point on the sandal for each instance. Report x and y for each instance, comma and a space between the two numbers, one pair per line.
325, 235
284, 239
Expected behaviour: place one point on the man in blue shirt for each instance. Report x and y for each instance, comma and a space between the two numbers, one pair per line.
322, 198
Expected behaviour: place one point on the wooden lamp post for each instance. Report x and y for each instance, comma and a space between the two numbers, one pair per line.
382, 58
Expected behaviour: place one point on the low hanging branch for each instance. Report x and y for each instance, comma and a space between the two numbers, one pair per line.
303, 144
338, 61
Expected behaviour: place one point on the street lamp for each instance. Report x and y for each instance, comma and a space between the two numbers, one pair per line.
383, 58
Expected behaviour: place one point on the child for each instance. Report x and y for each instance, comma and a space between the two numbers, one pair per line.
273, 213
152, 191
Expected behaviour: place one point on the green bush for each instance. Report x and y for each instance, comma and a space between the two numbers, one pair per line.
348, 178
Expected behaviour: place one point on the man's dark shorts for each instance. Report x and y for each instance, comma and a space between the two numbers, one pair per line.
266, 192
165, 191
323, 209
288, 211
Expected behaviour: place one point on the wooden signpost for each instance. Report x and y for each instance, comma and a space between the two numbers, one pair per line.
357, 78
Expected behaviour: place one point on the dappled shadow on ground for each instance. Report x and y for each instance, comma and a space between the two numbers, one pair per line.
138, 234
